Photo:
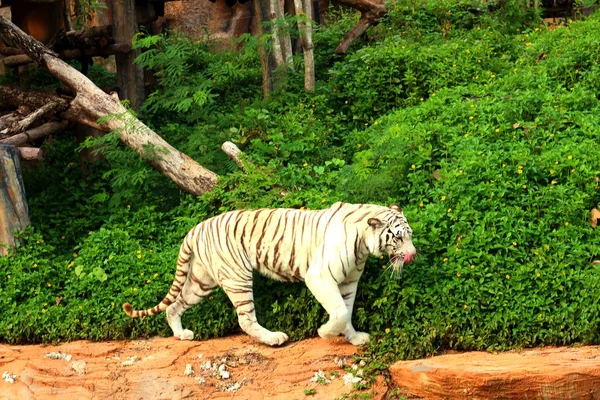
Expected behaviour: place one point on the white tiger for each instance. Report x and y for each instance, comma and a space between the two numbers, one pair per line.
327, 249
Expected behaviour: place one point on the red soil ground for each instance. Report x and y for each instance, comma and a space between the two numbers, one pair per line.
154, 369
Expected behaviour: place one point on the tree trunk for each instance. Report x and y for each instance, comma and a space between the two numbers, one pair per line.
266, 63
274, 15
304, 13
130, 76
90, 104
14, 214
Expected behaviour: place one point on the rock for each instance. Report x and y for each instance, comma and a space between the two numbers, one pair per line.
543, 373
56, 355
130, 361
79, 367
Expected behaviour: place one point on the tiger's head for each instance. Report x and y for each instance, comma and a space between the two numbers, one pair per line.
390, 234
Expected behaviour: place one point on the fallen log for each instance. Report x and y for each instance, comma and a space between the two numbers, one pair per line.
91, 104
233, 152
34, 134
31, 153
14, 214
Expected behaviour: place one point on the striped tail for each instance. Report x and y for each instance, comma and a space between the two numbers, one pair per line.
183, 266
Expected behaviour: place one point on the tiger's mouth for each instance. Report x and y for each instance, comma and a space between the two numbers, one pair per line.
397, 262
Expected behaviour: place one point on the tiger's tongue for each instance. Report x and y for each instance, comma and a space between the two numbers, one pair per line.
408, 258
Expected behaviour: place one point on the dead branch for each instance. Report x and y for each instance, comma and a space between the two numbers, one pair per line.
93, 51
15, 61
234, 152
91, 103
46, 109
9, 51
370, 11
34, 134
10, 119
14, 97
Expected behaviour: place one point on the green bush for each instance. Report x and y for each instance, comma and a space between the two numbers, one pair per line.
498, 180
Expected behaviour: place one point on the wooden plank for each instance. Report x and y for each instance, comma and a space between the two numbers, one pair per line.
14, 212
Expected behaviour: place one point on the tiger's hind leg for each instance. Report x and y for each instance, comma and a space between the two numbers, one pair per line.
242, 298
198, 285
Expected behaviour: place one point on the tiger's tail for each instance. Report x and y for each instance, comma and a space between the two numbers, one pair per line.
183, 266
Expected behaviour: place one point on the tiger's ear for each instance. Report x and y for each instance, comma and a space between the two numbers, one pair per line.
375, 223
396, 207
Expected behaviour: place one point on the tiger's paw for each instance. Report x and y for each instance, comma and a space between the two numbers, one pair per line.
275, 338
332, 328
185, 334
359, 338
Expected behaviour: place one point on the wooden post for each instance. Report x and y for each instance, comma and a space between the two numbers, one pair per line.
14, 213
130, 76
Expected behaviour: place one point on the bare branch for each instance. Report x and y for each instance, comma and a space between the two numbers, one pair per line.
34, 134
370, 11
46, 109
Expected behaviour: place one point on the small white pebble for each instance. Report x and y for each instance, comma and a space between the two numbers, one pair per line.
224, 374
206, 365
200, 355
188, 370
8, 377
129, 361
234, 387
56, 355
200, 380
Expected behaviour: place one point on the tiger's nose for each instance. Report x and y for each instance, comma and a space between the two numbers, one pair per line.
408, 257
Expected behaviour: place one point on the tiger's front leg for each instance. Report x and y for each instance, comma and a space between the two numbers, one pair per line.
324, 286
348, 291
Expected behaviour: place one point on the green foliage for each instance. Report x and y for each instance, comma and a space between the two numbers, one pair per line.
86, 9
192, 74
482, 128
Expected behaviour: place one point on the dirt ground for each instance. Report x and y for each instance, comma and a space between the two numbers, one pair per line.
234, 367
